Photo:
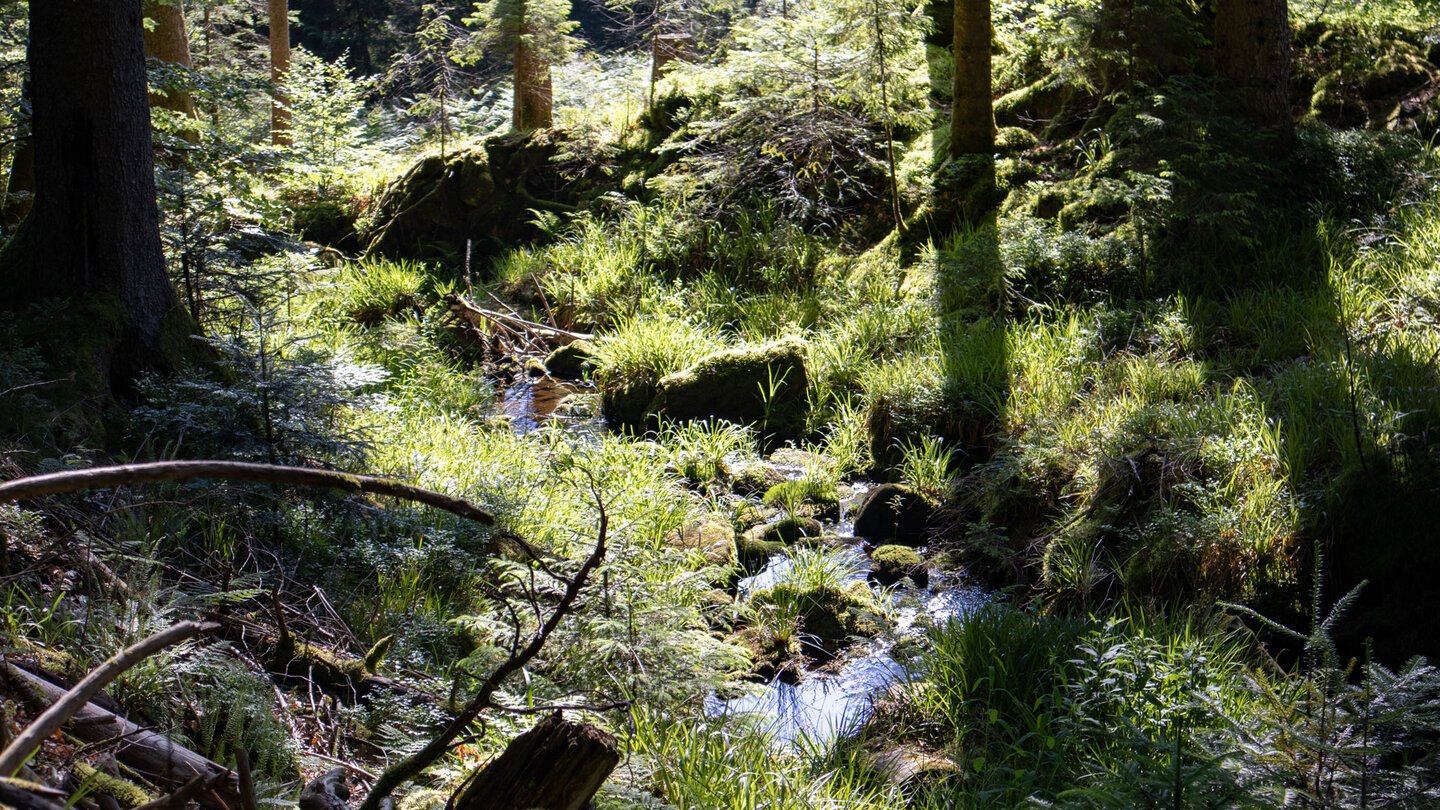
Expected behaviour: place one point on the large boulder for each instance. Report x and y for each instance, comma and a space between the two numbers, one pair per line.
761, 385
486, 194
894, 514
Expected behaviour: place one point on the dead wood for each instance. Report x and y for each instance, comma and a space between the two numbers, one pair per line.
25, 743
24, 795
176, 471
153, 756
557, 765
482, 318
326, 792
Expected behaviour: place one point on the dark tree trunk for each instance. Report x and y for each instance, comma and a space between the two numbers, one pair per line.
93, 232
1252, 54
557, 765
972, 120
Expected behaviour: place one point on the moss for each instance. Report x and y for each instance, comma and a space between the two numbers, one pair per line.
893, 563
1032, 105
326, 222
711, 536
829, 614
753, 551
756, 478
376, 653
1010, 141
792, 529
572, 361
803, 492
764, 385
128, 794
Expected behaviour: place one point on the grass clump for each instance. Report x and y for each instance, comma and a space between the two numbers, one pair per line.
373, 290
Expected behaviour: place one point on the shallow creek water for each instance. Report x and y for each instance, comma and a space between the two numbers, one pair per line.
825, 704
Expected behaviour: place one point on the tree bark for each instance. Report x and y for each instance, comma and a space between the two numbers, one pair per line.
1252, 54
972, 120
169, 42
557, 765
279, 68
534, 96
93, 232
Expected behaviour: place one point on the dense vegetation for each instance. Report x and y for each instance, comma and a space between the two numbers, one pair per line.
1162, 379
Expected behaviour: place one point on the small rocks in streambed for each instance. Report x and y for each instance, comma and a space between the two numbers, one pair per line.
796, 458
571, 362
711, 536
753, 479
890, 564
892, 513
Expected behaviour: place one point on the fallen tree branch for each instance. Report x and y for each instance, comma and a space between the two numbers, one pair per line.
185, 793
411, 766
24, 744
478, 316
26, 796
175, 471
157, 758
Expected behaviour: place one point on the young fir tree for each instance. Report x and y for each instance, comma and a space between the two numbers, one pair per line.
533, 35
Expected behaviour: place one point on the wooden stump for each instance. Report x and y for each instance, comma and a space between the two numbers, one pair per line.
557, 765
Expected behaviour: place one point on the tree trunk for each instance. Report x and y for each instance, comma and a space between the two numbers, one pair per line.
534, 106
1252, 54
93, 232
168, 42
972, 121
279, 67
668, 48
557, 765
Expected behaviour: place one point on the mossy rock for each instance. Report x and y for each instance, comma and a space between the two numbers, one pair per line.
328, 223
1396, 71
762, 385
831, 615
627, 407
754, 550
792, 530
572, 361
755, 478
1033, 105
894, 514
965, 189
484, 196
892, 563
534, 367
1010, 141
711, 536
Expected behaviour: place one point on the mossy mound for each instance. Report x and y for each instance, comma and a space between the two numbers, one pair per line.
754, 550
894, 514
755, 478
328, 223
572, 361
762, 385
792, 530
1356, 74
486, 195
829, 614
892, 563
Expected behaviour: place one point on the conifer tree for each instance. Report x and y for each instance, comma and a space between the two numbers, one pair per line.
533, 35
